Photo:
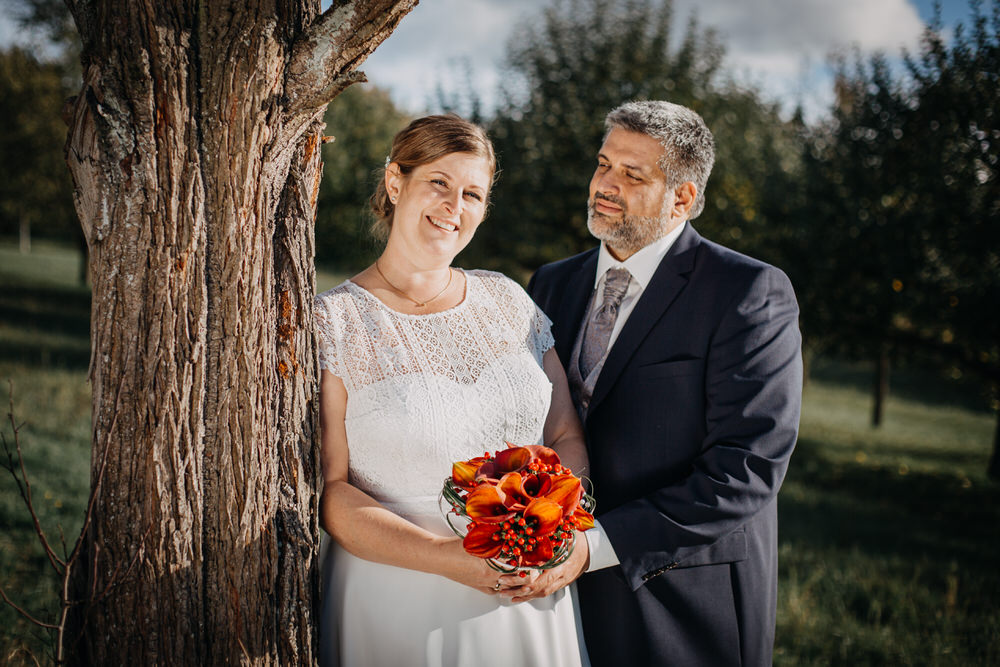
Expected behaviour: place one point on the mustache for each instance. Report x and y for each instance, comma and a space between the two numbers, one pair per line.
614, 199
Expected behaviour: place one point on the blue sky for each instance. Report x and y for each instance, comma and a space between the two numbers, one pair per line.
782, 46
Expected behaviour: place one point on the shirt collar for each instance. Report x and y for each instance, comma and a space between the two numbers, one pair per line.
642, 265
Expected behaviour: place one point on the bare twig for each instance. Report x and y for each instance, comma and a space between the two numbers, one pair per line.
24, 485
25, 613
65, 566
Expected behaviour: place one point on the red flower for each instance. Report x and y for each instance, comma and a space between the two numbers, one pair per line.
540, 553
543, 515
463, 473
582, 519
517, 459
479, 541
522, 504
486, 503
567, 491
521, 488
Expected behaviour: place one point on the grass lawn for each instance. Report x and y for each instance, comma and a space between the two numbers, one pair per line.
888, 537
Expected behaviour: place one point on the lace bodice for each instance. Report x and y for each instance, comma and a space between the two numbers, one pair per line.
424, 391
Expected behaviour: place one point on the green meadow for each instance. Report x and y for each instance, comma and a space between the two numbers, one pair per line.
889, 536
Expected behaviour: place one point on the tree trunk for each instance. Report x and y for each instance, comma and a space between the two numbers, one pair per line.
994, 469
881, 386
194, 149
24, 234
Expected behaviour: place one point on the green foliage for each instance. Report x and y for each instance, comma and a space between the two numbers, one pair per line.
564, 73
904, 194
35, 186
363, 121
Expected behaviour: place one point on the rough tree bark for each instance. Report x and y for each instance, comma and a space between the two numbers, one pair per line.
194, 149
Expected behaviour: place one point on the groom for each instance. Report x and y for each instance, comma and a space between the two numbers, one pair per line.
684, 361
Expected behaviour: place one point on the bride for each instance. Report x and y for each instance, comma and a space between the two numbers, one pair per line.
422, 365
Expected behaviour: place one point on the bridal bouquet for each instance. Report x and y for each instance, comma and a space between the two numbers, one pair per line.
517, 507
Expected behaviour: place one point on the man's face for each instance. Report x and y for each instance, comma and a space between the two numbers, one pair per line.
630, 203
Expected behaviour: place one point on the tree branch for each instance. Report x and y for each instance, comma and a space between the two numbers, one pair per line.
25, 614
325, 58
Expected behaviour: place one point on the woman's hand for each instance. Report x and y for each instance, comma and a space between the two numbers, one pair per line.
472, 571
549, 581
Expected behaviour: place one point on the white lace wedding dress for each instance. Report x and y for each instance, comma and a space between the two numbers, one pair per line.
425, 391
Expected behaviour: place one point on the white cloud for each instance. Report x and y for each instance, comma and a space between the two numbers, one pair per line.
780, 45
434, 42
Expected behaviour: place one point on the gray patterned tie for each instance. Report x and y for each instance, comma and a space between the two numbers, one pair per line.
602, 322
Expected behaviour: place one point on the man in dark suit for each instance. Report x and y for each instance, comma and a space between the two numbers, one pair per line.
686, 370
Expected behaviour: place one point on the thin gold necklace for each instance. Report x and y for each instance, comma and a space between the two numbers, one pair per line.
419, 304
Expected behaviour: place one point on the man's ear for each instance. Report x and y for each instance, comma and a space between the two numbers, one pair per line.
684, 196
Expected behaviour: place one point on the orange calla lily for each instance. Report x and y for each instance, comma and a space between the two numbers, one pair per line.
567, 491
479, 541
520, 488
523, 505
463, 473
583, 519
486, 503
543, 454
544, 514
509, 460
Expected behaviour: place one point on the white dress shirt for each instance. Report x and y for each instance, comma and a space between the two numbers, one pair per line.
642, 265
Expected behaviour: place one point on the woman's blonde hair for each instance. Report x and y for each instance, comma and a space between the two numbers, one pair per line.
421, 142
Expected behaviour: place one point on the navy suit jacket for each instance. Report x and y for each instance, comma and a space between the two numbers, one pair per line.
689, 432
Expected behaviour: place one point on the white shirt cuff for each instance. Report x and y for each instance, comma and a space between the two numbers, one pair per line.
602, 554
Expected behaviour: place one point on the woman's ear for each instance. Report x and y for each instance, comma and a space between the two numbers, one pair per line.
393, 181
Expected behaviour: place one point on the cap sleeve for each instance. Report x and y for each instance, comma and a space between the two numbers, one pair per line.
326, 336
542, 339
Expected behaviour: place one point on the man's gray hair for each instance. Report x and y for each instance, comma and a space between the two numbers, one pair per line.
689, 148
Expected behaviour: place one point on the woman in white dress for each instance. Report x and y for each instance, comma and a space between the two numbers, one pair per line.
423, 365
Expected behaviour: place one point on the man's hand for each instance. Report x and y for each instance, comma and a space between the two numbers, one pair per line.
549, 581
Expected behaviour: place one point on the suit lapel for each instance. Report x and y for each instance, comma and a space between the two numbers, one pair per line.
669, 280
569, 314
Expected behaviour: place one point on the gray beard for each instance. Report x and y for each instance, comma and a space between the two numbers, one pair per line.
630, 235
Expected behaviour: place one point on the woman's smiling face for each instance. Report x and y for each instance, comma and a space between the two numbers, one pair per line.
439, 205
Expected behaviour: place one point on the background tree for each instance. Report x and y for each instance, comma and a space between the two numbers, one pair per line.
194, 151
564, 73
34, 182
859, 214
363, 122
955, 152
902, 187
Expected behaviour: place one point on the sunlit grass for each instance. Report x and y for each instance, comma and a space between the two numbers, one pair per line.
46, 264
887, 536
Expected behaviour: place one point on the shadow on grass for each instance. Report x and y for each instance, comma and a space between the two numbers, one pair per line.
917, 382
890, 511
45, 325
